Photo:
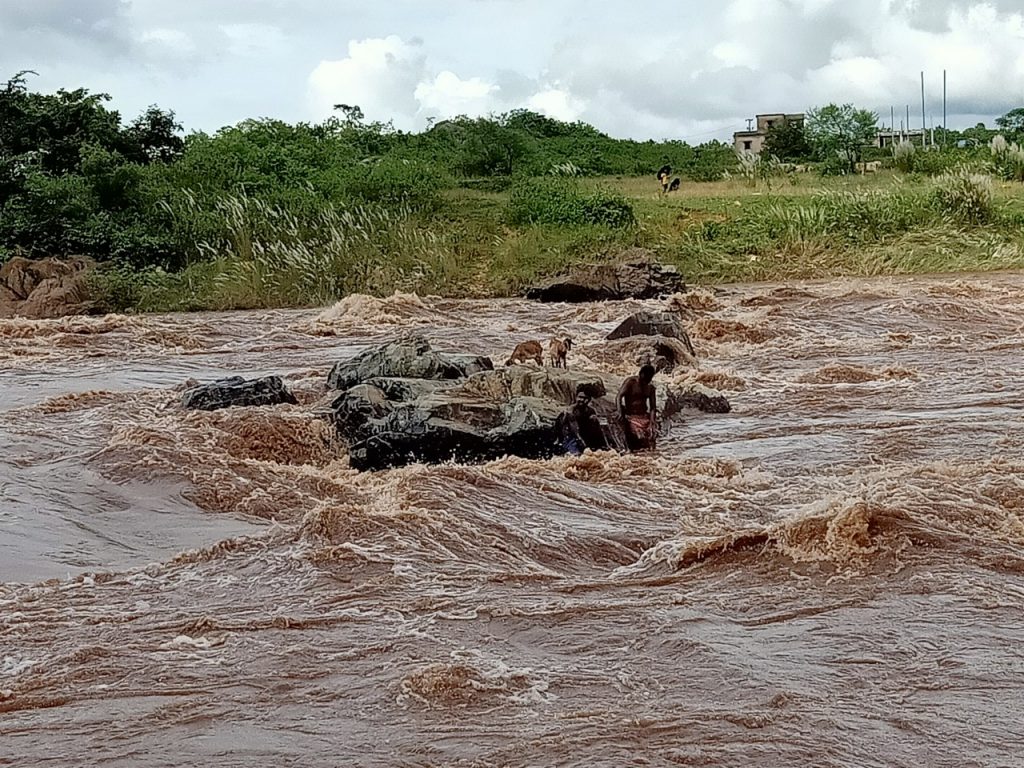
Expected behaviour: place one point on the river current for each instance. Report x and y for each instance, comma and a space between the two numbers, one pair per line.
830, 575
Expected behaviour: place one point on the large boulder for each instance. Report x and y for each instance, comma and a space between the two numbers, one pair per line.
236, 391
44, 288
389, 421
610, 282
665, 354
410, 357
658, 338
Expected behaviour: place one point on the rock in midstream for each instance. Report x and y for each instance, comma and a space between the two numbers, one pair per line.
637, 279
236, 391
390, 420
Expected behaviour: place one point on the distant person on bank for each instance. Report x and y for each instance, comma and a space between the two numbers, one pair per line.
579, 426
638, 408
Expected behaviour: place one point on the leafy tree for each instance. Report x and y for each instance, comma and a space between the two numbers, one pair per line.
1012, 122
840, 132
153, 136
491, 146
787, 142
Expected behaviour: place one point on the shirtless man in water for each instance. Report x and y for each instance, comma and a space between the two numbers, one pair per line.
639, 409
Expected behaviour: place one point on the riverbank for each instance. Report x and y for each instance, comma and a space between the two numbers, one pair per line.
796, 226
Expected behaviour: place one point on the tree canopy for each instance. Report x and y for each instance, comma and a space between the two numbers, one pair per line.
1013, 123
841, 132
787, 142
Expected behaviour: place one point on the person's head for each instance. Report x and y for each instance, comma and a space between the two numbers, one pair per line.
582, 396
646, 373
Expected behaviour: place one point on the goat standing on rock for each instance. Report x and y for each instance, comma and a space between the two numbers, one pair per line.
558, 351
527, 350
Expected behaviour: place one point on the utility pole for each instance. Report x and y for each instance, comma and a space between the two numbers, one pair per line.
908, 122
924, 128
945, 128
892, 124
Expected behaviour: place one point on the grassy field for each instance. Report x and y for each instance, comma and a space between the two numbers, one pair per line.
796, 226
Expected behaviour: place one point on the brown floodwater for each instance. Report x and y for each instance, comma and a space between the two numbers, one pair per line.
830, 575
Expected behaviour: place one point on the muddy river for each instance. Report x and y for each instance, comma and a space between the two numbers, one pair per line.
830, 575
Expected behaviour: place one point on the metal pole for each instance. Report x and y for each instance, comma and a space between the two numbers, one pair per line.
924, 128
908, 122
945, 128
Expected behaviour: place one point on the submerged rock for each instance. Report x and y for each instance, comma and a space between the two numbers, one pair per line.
236, 391
610, 282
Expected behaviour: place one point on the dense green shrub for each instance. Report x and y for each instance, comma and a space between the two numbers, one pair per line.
398, 181
554, 200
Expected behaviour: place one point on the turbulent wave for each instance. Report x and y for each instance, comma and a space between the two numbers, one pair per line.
855, 374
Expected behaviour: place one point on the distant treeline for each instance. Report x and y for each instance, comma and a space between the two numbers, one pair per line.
76, 179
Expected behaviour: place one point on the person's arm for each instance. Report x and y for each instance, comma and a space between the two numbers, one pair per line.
572, 426
654, 402
620, 401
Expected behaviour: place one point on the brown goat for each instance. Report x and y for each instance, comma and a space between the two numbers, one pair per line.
558, 351
527, 350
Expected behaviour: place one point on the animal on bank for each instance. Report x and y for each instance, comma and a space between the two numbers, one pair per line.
527, 350
558, 351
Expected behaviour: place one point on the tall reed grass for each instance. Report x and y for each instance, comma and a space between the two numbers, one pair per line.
267, 255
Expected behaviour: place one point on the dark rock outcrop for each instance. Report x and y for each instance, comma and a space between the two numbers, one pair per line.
658, 338
390, 421
651, 324
408, 358
665, 354
609, 282
701, 399
512, 411
235, 391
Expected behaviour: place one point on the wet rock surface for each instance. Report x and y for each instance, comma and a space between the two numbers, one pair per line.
390, 421
608, 282
409, 357
44, 288
236, 391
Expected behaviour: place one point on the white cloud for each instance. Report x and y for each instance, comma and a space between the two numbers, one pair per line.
170, 41
447, 95
379, 75
557, 103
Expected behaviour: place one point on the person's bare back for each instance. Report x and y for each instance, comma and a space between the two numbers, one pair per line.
638, 407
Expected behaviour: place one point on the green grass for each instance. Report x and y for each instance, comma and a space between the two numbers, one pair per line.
801, 226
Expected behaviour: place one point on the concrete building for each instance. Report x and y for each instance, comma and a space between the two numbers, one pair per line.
753, 141
886, 137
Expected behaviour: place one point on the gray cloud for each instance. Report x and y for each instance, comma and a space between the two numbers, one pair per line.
657, 69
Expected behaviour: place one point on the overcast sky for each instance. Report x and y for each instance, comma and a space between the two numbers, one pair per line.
644, 69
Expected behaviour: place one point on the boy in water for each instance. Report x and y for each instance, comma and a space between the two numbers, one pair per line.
579, 426
638, 409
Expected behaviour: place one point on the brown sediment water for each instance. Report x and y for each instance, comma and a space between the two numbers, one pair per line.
830, 575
